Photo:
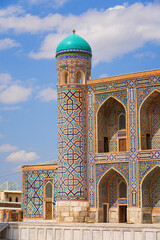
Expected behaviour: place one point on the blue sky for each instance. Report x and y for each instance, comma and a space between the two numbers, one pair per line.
124, 37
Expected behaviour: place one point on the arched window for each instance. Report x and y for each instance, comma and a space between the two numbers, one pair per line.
10, 199
122, 190
122, 122
16, 199
64, 77
48, 190
80, 77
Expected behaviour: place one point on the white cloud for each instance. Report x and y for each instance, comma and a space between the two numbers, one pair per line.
48, 47
22, 156
145, 54
11, 10
30, 23
7, 43
47, 95
5, 78
7, 148
15, 94
111, 33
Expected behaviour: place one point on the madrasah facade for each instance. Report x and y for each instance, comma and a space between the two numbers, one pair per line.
108, 162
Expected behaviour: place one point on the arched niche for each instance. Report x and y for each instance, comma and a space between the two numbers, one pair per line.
122, 121
80, 77
122, 189
150, 122
150, 197
109, 187
48, 190
64, 77
108, 117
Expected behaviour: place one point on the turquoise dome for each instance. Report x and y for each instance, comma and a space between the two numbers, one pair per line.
73, 43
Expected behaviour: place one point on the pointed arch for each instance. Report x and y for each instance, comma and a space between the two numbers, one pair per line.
108, 194
107, 124
64, 77
108, 99
154, 91
112, 169
147, 187
103, 182
150, 122
80, 77
151, 170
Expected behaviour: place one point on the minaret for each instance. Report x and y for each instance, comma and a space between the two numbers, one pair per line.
74, 69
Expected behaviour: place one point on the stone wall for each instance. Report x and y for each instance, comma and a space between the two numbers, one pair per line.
53, 231
72, 211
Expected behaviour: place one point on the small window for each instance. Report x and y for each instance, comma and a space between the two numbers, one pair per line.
64, 77
48, 190
16, 199
122, 190
122, 122
80, 77
10, 199
106, 147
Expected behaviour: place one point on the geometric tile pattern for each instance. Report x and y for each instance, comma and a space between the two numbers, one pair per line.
33, 189
136, 90
73, 62
72, 159
72, 123
113, 193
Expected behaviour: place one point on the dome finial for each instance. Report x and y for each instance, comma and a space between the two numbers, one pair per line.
74, 31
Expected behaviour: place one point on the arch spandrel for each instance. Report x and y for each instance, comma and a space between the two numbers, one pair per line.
101, 98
